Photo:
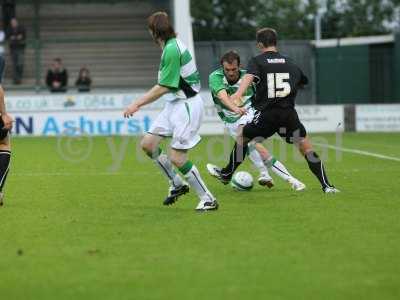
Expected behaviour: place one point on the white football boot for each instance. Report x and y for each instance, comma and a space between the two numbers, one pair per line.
265, 180
215, 171
296, 184
208, 202
331, 190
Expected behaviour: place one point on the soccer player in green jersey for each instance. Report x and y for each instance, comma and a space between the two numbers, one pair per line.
179, 83
224, 82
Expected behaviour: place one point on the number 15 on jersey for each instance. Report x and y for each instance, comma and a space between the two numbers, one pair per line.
278, 85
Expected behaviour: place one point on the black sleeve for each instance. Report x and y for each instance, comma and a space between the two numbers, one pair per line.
253, 68
64, 80
23, 32
303, 79
2, 67
49, 78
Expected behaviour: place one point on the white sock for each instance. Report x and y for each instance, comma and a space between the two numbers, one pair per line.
278, 168
165, 165
193, 177
257, 160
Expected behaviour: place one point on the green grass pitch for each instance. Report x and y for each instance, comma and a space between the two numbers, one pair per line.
97, 229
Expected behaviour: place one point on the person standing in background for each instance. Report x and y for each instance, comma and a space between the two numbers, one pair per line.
8, 13
17, 40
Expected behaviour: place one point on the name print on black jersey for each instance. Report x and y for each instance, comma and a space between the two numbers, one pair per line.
276, 60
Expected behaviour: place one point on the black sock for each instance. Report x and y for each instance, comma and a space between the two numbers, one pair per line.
316, 166
236, 158
5, 156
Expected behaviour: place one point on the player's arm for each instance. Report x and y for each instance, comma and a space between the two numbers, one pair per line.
253, 71
7, 119
217, 88
223, 96
303, 80
247, 80
150, 96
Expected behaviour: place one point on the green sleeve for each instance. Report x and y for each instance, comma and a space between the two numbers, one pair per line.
215, 83
169, 74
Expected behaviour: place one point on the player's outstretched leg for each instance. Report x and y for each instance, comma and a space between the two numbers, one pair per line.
236, 157
193, 177
264, 179
278, 168
177, 186
5, 156
316, 166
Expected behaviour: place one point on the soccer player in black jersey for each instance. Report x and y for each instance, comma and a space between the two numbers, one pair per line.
5, 126
277, 81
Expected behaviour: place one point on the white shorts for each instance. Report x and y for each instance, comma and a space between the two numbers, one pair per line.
181, 120
233, 127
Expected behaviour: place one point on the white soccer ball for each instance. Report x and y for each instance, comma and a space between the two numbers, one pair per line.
242, 181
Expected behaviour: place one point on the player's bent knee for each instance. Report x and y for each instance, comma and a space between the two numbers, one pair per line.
178, 157
262, 150
148, 146
177, 162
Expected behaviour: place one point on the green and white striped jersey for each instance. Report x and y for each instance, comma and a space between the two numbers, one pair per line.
178, 71
217, 82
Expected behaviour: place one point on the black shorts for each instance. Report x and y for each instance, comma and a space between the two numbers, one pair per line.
283, 121
3, 132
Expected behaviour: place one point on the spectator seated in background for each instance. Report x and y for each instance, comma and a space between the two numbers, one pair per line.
84, 81
57, 77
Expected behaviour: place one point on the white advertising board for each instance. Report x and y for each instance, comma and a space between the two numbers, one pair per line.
322, 118
384, 117
101, 114
109, 122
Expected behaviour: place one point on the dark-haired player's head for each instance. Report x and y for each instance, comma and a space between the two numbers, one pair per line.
266, 37
160, 27
230, 63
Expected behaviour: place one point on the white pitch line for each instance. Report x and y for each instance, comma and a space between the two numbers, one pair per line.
361, 152
33, 174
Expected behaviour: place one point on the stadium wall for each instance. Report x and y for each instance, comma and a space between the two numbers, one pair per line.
343, 74
397, 67
357, 70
